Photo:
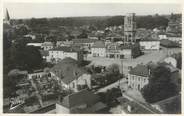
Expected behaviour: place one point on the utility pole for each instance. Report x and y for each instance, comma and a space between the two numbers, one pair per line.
121, 70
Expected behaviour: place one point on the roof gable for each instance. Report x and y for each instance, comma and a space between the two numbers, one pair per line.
79, 98
99, 44
140, 70
67, 70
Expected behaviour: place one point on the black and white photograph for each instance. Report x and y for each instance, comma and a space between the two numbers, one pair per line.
91, 58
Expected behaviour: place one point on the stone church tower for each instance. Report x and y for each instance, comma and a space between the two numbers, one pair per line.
7, 17
129, 28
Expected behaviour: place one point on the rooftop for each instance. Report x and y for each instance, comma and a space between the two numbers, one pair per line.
140, 70
67, 70
149, 39
171, 105
84, 40
80, 98
99, 44
47, 44
65, 49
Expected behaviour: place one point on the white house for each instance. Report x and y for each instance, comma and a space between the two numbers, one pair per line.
150, 44
57, 54
175, 39
70, 75
64, 43
162, 36
138, 77
119, 52
47, 45
98, 49
37, 74
171, 60
35, 44
33, 37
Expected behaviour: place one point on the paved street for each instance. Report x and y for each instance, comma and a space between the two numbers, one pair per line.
154, 56
115, 84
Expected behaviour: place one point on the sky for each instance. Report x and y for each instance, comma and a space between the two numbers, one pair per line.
48, 10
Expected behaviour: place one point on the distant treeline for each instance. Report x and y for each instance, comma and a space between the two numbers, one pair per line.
97, 22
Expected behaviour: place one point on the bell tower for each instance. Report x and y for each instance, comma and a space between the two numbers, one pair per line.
129, 28
7, 17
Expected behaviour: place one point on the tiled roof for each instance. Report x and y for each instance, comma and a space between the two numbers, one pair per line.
171, 105
126, 46
80, 98
99, 44
67, 70
45, 109
96, 107
140, 70
150, 39
65, 49
84, 40
47, 44
168, 43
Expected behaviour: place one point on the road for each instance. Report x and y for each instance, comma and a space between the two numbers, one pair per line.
154, 56
115, 84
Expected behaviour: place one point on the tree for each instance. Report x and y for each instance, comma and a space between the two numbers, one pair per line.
111, 95
159, 87
178, 58
136, 51
113, 69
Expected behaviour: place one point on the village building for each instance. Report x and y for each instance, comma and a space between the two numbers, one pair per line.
57, 54
129, 28
33, 37
138, 77
174, 37
174, 25
83, 101
47, 45
149, 44
93, 36
172, 61
71, 76
98, 49
64, 43
37, 74
35, 44
85, 44
118, 52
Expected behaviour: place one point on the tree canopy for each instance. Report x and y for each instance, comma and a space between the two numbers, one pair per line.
159, 87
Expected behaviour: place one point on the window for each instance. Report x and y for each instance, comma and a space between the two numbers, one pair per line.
73, 85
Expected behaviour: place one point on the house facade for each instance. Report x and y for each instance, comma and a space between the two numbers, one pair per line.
57, 54
47, 45
85, 44
98, 49
149, 44
77, 84
138, 77
117, 52
71, 76
37, 74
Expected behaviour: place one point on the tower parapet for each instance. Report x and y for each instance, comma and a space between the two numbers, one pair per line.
129, 28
